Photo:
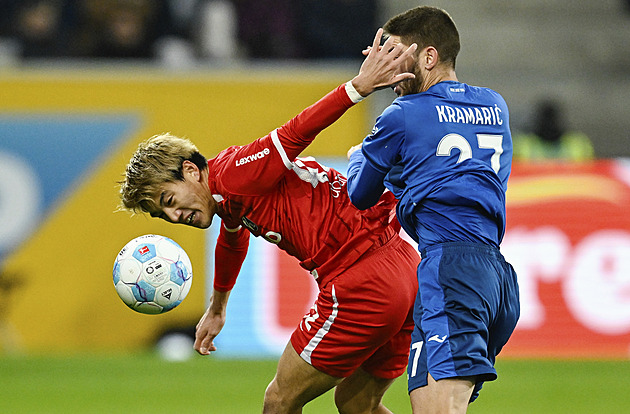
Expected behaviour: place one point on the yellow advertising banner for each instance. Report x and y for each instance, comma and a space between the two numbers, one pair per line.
65, 139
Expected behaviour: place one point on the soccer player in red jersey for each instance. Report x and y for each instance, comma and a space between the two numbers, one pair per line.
357, 335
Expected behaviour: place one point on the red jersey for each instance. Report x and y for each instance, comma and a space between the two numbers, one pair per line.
295, 203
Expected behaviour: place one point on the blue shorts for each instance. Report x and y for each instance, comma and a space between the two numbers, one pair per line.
466, 309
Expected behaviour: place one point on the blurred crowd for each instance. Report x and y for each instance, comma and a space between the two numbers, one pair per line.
177, 30
550, 137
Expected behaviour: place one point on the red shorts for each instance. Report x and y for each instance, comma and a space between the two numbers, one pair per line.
364, 317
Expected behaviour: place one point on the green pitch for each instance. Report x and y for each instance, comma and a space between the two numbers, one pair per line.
146, 384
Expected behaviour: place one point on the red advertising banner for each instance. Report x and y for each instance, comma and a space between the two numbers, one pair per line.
568, 237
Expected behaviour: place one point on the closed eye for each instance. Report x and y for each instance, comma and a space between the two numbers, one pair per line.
165, 200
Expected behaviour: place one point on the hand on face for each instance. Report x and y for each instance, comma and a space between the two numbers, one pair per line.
384, 66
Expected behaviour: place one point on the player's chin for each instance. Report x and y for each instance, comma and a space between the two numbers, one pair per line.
199, 220
202, 223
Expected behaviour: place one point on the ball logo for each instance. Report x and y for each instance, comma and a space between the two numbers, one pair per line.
154, 275
155, 272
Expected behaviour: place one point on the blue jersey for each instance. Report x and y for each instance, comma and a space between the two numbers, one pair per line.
446, 154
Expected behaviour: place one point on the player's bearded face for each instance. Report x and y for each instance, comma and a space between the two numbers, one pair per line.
411, 85
185, 202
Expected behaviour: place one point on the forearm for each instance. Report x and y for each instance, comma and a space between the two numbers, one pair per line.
218, 302
383, 66
300, 131
229, 255
211, 323
365, 184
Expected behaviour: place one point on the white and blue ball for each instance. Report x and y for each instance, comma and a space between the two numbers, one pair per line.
152, 274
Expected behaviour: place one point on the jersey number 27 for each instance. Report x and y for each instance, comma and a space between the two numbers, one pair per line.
484, 141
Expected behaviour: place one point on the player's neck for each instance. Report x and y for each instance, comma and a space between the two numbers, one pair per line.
436, 76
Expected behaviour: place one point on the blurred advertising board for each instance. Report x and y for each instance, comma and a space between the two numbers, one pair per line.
568, 237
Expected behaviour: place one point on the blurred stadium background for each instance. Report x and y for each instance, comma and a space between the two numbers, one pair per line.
225, 72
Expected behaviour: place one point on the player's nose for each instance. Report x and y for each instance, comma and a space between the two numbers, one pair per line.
174, 215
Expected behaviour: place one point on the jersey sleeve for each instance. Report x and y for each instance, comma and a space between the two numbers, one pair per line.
299, 132
365, 183
382, 147
229, 254
256, 168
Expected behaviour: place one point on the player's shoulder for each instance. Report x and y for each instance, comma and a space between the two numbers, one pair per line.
485, 92
221, 165
229, 151
415, 105
222, 159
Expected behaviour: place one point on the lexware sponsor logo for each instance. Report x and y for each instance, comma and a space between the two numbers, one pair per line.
253, 157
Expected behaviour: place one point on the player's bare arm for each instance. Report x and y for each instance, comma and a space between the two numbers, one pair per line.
211, 323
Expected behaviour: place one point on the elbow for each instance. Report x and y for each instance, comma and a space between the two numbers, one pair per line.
362, 203
360, 196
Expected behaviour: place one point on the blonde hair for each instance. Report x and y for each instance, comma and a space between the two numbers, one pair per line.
157, 160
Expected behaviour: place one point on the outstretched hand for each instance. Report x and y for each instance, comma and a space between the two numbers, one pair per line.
207, 329
384, 66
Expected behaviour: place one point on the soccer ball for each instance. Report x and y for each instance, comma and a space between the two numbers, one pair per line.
152, 274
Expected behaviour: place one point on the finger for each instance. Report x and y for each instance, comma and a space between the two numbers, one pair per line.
387, 46
377, 38
205, 346
367, 50
410, 51
197, 344
207, 343
201, 337
397, 51
403, 77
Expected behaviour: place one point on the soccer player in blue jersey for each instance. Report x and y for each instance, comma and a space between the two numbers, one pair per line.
444, 149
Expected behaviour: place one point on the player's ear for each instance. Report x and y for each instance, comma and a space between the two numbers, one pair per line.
190, 169
429, 58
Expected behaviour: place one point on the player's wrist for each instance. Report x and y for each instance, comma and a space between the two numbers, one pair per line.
218, 303
356, 92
